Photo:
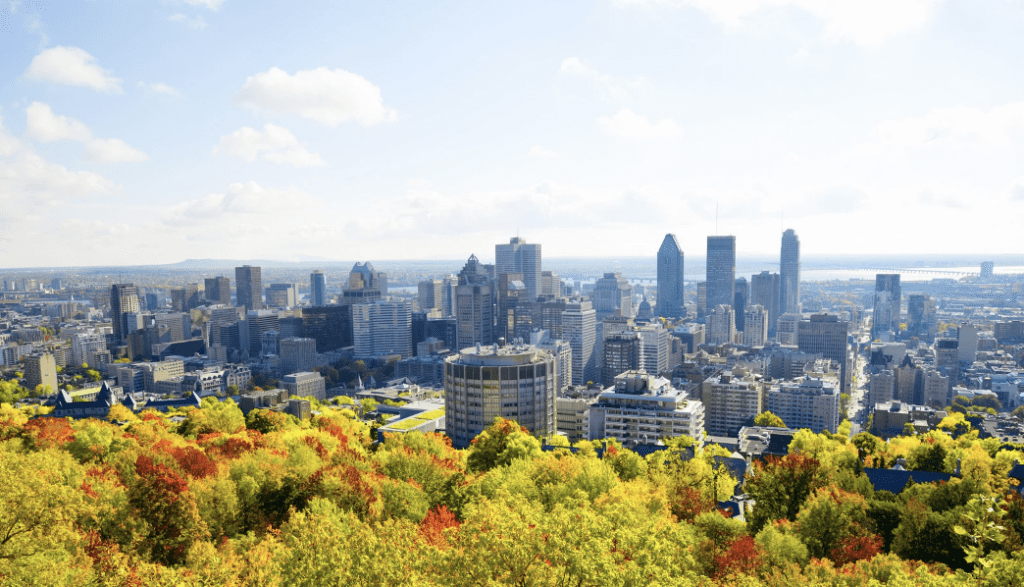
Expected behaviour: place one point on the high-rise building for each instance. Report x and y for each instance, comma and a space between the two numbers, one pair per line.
365, 285
826, 334
702, 300
41, 369
621, 354
382, 328
297, 355
561, 351
811, 403
249, 287
987, 269
186, 298
551, 284
643, 409
431, 295
519, 257
612, 295
513, 310
721, 326
741, 298
789, 273
330, 326
124, 299
282, 295
731, 401
475, 305
218, 290
764, 292
318, 288
654, 348
921, 320
755, 331
513, 382
721, 271
305, 384
251, 330
579, 327
670, 278
886, 316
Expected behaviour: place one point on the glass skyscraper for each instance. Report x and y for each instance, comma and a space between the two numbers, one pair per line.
670, 278
789, 272
721, 271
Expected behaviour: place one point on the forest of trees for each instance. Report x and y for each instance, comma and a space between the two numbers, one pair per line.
209, 497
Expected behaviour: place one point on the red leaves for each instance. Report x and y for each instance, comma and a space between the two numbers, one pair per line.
160, 478
687, 503
49, 432
855, 548
433, 526
742, 557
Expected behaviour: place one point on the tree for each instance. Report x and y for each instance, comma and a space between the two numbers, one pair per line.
829, 518
780, 486
501, 443
367, 405
161, 497
769, 419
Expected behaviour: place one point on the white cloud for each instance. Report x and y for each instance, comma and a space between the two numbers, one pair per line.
1016, 190
71, 66
329, 96
113, 151
541, 151
630, 125
159, 88
209, 4
243, 202
609, 87
42, 124
197, 23
960, 125
868, 23
276, 143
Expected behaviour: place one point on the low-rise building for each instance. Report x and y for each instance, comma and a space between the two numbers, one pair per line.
305, 385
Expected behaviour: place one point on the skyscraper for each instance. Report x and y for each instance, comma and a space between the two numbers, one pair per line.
741, 299
670, 278
888, 297
789, 272
475, 305
124, 298
721, 271
365, 285
579, 327
519, 257
317, 288
218, 290
249, 287
612, 295
826, 334
764, 292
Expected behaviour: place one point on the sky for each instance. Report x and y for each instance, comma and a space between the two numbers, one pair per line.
152, 131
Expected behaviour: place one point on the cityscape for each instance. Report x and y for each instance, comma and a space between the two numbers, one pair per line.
596, 293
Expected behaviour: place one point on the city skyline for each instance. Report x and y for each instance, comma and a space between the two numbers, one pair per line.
405, 134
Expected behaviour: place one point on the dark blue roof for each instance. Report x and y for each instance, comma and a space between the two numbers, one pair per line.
730, 506
896, 480
778, 445
1017, 472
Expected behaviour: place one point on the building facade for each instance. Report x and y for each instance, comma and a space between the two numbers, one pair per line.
789, 273
249, 287
721, 271
670, 278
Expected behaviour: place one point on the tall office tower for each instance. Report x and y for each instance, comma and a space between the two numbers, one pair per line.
513, 308
152, 302
519, 257
330, 326
921, 320
561, 351
318, 288
826, 334
670, 278
282, 295
297, 355
987, 269
290, 327
967, 339
431, 295
887, 304
550, 284
252, 328
185, 298
789, 272
947, 358
764, 292
654, 348
721, 326
365, 285
41, 369
579, 327
811, 403
755, 331
179, 325
124, 298
702, 300
612, 295
218, 290
621, 354
721, 271
475, 305
449, 295
514, 382
740, 300
248, 287
382, 328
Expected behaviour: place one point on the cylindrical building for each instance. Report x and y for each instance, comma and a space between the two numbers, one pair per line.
516, 382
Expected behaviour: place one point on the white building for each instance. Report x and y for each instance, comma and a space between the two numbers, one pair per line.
731, 399
644, 409
721, 325
305, 384
560, 350
654, 348
786, 329
811, 403
579, 326
382, 328
755, 327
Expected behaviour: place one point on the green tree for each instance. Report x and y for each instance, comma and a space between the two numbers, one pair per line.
780, 486
499, 444
768, 419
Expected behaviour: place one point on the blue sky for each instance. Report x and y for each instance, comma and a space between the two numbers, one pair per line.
153, 131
